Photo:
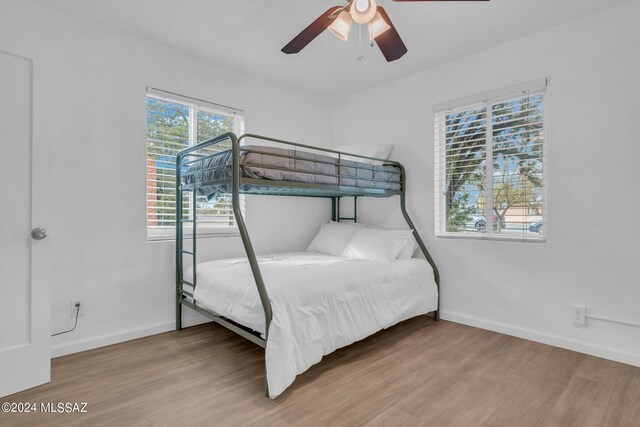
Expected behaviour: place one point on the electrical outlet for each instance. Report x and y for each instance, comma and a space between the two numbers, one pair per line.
74, 308
579, 315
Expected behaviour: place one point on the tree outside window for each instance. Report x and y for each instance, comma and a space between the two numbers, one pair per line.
172, 126
509, 134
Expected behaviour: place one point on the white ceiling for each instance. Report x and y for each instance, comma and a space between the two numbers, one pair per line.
248, 34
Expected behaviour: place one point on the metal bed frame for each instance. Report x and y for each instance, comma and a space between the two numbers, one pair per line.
237, 184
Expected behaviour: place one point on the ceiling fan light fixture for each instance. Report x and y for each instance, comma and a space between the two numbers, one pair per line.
377, 26
363, 11
341, 26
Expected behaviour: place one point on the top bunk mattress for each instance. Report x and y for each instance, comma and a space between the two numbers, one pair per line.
280, 164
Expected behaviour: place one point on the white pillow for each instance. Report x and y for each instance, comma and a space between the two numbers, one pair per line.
369, 150
333, 238
376, 244
409, 249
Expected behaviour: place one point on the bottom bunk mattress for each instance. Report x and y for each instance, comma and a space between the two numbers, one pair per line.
320, 303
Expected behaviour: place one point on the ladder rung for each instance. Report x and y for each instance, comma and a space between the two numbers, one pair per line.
187, 252
185, 220
187, 283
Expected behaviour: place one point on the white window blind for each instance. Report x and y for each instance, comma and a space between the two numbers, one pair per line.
489, 165
175, 122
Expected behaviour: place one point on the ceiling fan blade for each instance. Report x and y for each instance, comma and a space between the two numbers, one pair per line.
307, 35
389, 42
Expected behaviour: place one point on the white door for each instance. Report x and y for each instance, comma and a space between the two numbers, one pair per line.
25, 196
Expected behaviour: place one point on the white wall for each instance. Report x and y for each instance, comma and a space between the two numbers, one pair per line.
592, 256
101, 254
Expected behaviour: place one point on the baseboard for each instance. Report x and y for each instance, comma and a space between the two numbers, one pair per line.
66, 348
579, 346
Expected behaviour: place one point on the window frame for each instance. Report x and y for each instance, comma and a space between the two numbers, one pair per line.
194, 105
487, 100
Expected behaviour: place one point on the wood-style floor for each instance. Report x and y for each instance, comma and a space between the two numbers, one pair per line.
416, 373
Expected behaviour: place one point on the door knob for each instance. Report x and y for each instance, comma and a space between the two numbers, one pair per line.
39, 233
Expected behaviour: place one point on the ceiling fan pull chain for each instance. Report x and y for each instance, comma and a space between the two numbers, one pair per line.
361, 56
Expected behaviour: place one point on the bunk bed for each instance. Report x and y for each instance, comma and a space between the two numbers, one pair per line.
283, 168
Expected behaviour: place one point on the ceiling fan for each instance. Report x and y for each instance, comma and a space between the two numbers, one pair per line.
339, 19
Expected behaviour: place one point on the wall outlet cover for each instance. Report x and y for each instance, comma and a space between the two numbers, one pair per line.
579, 315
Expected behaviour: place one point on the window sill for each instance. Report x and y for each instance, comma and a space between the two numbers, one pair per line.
496, 237
189, 236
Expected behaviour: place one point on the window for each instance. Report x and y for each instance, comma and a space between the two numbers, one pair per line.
489, 155
175, 122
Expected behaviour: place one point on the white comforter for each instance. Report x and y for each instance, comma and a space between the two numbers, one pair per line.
320, 303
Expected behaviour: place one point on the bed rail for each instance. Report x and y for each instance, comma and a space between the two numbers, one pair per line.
311, 147
423, 247
345, 180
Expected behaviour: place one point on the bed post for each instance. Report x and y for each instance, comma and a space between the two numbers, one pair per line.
334, 216
248, 247
423, 247
355, 209
179, 244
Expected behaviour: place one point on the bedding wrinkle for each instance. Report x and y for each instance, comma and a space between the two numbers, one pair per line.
320, 303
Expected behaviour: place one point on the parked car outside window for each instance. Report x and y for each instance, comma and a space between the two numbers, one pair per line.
480, 224
536, 227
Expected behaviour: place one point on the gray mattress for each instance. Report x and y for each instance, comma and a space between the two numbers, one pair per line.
279, 164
